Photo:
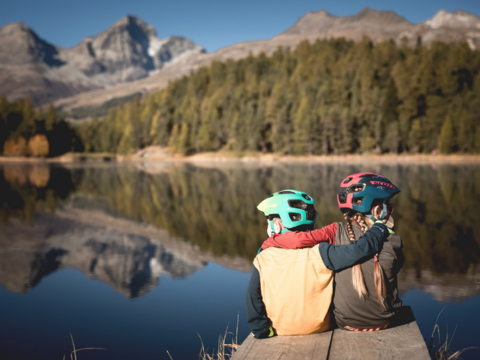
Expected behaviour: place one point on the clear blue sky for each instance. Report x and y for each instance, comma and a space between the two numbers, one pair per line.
211, 23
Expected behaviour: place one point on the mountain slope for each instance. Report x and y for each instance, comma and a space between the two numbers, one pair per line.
128, 58
377, 25
127, 51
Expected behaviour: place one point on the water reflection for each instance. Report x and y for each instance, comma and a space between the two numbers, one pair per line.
27, 189
122, 224
128, 256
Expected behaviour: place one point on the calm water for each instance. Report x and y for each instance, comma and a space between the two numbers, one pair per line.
141, 259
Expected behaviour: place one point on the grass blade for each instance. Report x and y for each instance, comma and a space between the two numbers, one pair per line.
71, 337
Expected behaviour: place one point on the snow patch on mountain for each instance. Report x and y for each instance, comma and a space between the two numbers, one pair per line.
458, 19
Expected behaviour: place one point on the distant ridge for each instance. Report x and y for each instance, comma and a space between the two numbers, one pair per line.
377, 25
129, 50
129, 59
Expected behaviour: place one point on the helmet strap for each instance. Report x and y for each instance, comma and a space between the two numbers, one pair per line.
272, 226
382, 215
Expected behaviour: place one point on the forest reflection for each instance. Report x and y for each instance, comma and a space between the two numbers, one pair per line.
214, 207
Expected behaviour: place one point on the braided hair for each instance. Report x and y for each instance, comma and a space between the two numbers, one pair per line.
357, 275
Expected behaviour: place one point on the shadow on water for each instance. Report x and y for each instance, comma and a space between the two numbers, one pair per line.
213, 210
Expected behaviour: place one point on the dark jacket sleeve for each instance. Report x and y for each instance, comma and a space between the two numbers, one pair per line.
344, 256
256, 316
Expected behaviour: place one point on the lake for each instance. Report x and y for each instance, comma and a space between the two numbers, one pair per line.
145, 258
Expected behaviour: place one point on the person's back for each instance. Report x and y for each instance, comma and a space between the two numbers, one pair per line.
367, 313
295, 307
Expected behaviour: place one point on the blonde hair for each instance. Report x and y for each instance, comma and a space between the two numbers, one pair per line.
357, 275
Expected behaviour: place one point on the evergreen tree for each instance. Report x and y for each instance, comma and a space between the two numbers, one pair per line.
446, 142
301, 128
415, 137
184, 140
50, 118
464, 132
390, 103
173, 143
477, 139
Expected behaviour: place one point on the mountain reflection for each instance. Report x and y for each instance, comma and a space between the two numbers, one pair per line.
129, 262
128, 225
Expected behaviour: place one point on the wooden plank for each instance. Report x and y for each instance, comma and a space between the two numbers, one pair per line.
244, 349
302, 347
402, 340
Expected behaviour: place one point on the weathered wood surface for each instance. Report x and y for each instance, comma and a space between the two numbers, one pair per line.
285, 347
402, 340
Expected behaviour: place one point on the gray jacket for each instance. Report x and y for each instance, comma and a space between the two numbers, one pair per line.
349, 309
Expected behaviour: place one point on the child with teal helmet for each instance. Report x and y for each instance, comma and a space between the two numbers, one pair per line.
295, 209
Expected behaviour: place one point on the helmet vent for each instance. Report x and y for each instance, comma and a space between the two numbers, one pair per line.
369, 176
299, 204
347, 180
357, 201
354, 188
306, 197
286, 192
295, 217
342, 198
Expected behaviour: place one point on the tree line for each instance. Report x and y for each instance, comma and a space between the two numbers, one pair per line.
328, 97
26, 131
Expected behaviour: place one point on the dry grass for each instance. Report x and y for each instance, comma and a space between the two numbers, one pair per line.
224, 351
443, 350
73, 354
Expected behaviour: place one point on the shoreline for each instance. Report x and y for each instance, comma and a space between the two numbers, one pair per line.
268, 158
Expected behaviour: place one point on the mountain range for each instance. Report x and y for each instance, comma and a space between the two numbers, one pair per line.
129, 59
129, 50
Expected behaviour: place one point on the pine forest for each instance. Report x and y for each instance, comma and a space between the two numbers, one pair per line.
327, 97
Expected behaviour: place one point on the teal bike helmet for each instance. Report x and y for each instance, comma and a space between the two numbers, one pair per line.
295, 209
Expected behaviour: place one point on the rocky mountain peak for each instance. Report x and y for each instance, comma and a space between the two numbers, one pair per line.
457, 20
127, 51
133, 25
323, 23
15, 28
19, 44
369, 15
312, 22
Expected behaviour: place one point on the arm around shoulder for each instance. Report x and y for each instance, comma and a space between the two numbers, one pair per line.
344, 256
302, 239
